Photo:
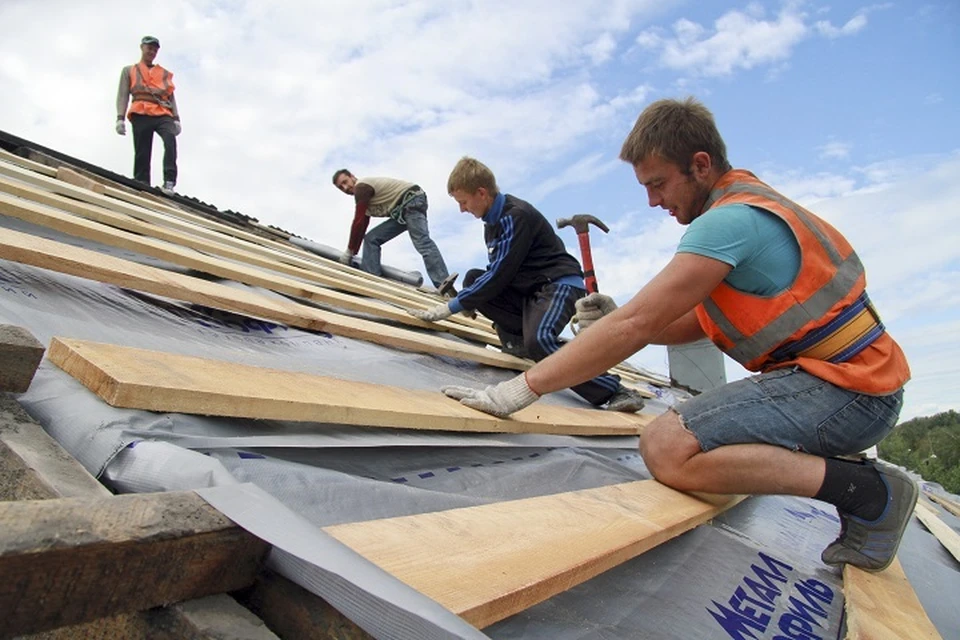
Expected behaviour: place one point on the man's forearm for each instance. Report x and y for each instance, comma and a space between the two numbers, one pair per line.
358, 227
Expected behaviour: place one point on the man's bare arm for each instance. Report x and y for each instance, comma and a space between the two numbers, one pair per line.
683, 330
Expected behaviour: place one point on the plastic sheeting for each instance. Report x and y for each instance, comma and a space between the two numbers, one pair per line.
755, 573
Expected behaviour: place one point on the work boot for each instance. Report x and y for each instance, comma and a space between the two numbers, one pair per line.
168, 187
625, 400
872, 545
446, 288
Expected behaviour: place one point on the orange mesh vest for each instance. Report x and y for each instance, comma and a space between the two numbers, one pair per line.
151, 89
749, 328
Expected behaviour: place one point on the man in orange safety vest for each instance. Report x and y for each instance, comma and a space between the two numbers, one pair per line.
780, 291
153, 110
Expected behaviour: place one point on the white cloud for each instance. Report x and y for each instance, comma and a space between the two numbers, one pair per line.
583, 171
600, 50
740, 40
852, 26
835, 150
275, 97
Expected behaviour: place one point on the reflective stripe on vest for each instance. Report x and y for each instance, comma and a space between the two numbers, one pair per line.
852, 331
143, 93
792, 320
808, 300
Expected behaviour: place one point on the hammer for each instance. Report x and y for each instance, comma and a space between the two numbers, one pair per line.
581, 223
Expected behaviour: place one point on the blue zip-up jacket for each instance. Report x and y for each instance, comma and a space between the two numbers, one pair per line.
525, 253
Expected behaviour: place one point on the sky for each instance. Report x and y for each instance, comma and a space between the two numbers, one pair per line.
846, 107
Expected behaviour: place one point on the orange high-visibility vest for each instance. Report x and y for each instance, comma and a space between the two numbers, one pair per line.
750, 328
151, 89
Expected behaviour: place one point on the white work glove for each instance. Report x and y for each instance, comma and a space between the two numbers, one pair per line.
121, 127
177, 128
500, 400
347, 257
591, 308
439, 312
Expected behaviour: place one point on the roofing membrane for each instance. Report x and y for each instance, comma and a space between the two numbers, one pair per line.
754, 572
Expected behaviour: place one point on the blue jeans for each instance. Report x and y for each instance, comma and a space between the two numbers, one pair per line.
416, 225
793, 409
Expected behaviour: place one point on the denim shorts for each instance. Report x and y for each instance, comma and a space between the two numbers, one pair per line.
793, 409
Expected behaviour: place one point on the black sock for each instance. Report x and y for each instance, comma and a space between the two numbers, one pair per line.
854, 488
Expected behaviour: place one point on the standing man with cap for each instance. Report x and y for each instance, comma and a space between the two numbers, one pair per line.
153, 110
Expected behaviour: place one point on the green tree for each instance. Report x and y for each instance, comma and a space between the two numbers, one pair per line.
929, 446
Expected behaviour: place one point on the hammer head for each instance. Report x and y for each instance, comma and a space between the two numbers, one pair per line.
580, 222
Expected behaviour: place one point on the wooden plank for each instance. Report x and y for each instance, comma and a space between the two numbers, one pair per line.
476, 330
157, 381
73, 560
20, 355
33, 466
338, 275
949, 538
488, 562
47, 254
26, 163
883, 606
81, 228
946, 503
154, 225
75, 178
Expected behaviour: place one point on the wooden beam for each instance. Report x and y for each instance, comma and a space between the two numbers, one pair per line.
883, 606
20, 355
334, 274
81, 228
488, 562
949, 538
37, 214
33, 466
138, 220
75, 178
57, 256
26, 163
157, 381
946, 503
73, 560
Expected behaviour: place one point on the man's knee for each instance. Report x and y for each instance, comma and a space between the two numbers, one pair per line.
665, 446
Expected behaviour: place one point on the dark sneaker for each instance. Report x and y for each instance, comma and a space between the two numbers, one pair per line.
872, 545
445, 288
625, 400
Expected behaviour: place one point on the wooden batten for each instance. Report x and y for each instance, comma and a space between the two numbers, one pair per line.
883, 606
519, 553
157, 381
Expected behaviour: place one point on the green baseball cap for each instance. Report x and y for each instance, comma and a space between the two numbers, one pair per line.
150, 40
